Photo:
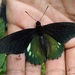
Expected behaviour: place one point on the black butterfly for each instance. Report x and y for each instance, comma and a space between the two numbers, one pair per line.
39, 43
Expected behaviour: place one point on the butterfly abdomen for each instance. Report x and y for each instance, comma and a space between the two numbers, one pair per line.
41, 37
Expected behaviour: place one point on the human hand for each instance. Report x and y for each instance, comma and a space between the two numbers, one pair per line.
18, 20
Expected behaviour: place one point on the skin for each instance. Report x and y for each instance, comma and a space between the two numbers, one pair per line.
58, 11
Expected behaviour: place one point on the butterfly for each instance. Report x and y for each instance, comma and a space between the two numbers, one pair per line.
39, 43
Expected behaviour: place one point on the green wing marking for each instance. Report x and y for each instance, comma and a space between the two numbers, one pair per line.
54, 48
34, 53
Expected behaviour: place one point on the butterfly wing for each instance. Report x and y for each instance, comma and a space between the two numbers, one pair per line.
34, 53
57, 34
62, 31
54, 48
17, 42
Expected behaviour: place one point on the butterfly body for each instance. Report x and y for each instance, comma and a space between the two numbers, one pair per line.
39, 28
42, 39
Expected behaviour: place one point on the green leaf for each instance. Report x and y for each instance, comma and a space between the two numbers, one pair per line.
1, 70
2, 28
43, 69
2, 59
4, 67
2, 56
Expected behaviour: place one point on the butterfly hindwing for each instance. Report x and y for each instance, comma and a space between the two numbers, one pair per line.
62, 31
17, 42
54, 48
34, 53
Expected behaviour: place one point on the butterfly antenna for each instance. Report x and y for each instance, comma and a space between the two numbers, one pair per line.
30, 15
44, 13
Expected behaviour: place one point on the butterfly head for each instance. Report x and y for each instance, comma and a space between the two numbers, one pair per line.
38, 24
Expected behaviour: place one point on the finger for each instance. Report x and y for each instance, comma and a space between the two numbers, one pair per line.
70, 57
70, 61
58, 5
32, 69
15, 63
56, 66
69, 6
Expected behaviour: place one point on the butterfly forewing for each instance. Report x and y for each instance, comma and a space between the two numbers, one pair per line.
34, 53
17, 42
54, 48
62, 31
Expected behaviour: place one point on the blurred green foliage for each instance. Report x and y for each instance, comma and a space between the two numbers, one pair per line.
2, 28
2, 64
2, 56
43, 69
